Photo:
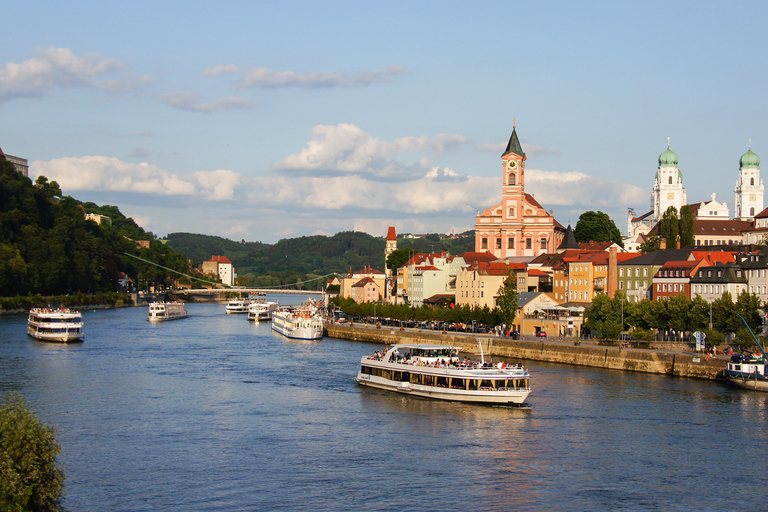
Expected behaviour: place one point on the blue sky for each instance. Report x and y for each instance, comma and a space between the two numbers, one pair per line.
266, 120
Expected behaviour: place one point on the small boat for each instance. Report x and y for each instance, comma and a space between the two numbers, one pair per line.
748, 372
62, 325
164, 311
300, 324
261, 310
237, 306
437, 371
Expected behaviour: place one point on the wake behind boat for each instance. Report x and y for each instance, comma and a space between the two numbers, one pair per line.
436, 371
300, 324
164, 311
61, 325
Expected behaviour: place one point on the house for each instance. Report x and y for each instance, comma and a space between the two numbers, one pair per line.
366, 290
220, 267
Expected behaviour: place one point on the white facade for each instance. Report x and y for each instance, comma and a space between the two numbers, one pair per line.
712, 210
227, 274
749, 188
668, 189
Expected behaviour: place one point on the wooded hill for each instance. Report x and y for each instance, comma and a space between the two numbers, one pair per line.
307, 256
47, 247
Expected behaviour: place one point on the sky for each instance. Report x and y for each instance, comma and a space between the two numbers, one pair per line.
268, 120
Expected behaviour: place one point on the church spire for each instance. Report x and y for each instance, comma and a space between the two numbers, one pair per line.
514, 144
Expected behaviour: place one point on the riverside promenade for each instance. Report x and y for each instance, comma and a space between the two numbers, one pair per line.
677, 363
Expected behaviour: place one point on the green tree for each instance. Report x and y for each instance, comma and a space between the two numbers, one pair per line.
652, 243
29, 478
398, 258
597, 227
686, 226
507, 299
604, 316
670, 227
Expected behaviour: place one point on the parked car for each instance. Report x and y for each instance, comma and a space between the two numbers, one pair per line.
541, 334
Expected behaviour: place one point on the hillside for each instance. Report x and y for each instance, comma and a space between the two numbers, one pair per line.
47, 247
308, 255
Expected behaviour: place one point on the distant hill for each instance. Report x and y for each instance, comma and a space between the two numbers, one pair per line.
309, 255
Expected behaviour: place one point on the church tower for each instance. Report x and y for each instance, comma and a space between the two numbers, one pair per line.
749, 187
389, 248
668, 189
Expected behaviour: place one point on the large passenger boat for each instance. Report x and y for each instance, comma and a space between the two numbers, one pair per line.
261, 310
237, 306
437, 371
62, 325
164, 311
300, 324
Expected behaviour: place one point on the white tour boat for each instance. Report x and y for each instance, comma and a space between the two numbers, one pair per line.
237, 306
62, 325
437, 371
261, 310
300, 324
164, 311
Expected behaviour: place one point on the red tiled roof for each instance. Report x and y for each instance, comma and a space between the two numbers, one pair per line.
713, 257
391, 233
220, 259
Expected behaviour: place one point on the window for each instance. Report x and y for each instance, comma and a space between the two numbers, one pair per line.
511, 179
621, 285
544, 243
752, 210
752, 181
621, 272
498, 243
510, 243
485, 243
528, 243
670, 180
511, 211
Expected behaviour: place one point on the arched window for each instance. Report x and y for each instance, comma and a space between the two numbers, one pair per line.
752, 212
670, 180
751, 181
511, 179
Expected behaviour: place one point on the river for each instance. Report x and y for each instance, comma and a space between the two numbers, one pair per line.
215, 413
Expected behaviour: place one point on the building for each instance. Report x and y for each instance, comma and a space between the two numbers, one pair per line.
478, 283
389, 248
749, 189
20, 164
674, 277
366, 290
587, 276
98, 219
710, 283
346, 284
635, 275
221, 268
668, 187
518, 225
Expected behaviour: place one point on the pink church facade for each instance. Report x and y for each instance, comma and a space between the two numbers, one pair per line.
518, 225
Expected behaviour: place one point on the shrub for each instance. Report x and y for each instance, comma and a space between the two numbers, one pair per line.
29, 478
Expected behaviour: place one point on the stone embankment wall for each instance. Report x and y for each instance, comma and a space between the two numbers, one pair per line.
614, 358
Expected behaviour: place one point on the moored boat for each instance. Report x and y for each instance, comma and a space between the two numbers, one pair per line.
437, 371
747, 372
300, 324
164, 311
62, 325
237, 306
261, 310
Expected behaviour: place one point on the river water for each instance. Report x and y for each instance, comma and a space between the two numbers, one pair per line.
216, 413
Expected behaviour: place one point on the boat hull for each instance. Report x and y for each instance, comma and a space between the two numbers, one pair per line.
498, 397
301, 333
74, 337
751, 381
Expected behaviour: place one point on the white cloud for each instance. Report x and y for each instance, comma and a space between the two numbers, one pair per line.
192, 102
127, 84
347, 149
220, 71
268, 78
579, 189
53, 68
102, 173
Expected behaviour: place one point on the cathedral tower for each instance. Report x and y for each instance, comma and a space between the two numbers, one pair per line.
749, 187
668, 189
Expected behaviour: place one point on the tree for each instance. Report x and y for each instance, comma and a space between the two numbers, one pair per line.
29, 478
652, 243
398, 258
604, 316
507, 299
597, 227
686, 226
670, 227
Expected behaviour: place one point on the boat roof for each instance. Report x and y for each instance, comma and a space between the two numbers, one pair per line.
424, 346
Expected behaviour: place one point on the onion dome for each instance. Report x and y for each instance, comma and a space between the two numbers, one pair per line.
749, 159
668, 158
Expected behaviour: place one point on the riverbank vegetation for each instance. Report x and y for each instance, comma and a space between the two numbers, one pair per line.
647, 319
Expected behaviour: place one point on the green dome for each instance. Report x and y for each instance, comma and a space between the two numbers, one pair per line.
668, 158
749, 159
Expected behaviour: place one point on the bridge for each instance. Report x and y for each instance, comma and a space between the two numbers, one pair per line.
206, 293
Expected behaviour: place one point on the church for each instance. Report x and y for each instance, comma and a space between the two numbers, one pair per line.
668, 191
518, 225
